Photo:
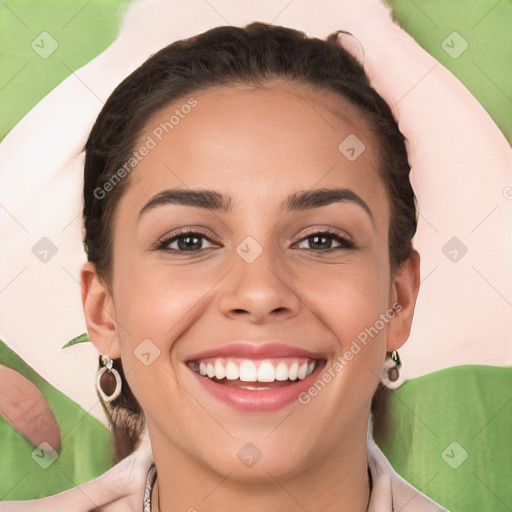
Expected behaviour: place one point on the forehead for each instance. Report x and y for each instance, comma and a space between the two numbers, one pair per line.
257, 140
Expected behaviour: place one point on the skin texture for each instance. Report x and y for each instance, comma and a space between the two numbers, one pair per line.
257, 146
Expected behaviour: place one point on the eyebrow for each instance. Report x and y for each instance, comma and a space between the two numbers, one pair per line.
215, 201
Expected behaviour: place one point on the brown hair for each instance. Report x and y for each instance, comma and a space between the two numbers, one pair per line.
229, 55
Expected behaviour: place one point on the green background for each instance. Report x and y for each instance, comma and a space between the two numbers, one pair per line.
459, 417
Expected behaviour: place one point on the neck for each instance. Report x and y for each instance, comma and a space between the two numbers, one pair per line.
338, 482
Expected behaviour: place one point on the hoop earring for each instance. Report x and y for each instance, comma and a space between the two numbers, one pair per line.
391, 371
108, 380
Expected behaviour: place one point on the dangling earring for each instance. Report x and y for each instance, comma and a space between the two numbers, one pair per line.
391, 370
108, 380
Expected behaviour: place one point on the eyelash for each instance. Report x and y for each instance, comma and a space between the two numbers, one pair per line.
345, 242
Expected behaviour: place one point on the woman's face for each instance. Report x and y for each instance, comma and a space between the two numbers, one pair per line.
256, 288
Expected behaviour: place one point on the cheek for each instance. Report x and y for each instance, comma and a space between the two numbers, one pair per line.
352, 298
352, 307
149, 311
356, 304
157, 301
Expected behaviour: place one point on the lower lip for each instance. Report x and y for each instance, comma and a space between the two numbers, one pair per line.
263, 400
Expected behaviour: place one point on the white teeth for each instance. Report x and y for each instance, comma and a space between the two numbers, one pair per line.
266, 372
293, 371
220, 372
232, 371
282, 371
254, 371
248, 372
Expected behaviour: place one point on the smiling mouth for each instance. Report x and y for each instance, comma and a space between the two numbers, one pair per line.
255, 375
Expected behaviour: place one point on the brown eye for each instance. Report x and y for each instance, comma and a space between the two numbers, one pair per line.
183, 242
323, 241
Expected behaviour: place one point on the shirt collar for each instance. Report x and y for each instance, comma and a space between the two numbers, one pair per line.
390, 492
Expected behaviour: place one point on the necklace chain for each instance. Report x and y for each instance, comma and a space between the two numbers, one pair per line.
150, 480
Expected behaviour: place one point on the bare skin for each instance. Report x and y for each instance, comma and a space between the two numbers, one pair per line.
257, 146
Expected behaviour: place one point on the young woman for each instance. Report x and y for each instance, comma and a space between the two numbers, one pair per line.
248, 215
248, 219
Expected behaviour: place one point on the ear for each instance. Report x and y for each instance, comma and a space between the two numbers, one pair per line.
404, 292
99, 312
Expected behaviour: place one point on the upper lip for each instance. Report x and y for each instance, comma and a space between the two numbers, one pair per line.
255, 351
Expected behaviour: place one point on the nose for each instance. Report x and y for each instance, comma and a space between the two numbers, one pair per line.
260, 291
